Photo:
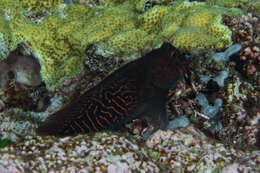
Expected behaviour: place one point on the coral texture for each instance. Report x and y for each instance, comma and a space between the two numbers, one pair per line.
229, 3
38, 6
57, 34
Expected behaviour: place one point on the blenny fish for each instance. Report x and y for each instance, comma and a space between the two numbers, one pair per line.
139, 89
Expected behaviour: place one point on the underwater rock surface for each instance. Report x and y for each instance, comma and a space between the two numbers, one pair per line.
228, 138
26, 70
179, 151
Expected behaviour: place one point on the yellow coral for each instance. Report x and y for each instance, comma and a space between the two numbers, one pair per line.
111, 3
183, 5
76, 12
68, 28
60, 38
139, 4
59, 43
220, 31
204, 19
10, 8
151, 19
103, 26
51, 23
130, 41
40, 5
72, 66
53, 53
228, 3
193, 37
172, 22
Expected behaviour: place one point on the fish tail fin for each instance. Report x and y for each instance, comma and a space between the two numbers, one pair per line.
55, 124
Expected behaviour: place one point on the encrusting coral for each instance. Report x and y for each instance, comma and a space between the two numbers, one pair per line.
57, 34
229, 3
36, 6
197, 25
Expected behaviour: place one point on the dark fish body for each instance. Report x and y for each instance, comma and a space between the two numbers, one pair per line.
137, 90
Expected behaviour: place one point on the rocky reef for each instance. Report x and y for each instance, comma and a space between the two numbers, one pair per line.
51, 51
186, 150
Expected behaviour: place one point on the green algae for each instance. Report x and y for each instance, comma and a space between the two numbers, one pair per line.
4, 143
154, 154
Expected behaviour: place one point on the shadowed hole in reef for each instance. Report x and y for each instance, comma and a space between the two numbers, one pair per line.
21, 83
11, 75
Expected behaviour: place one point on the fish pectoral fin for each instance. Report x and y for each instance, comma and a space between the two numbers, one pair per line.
156, 116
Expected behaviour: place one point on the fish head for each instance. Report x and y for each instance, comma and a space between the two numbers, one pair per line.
167, 66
